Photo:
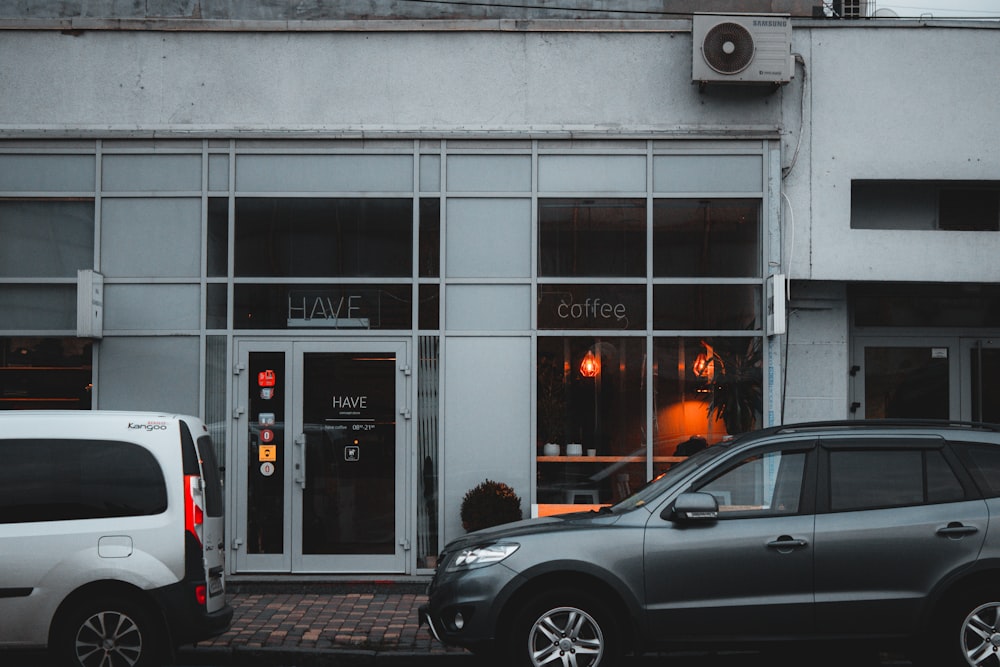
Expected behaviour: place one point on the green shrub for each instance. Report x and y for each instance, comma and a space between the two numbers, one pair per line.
490, 504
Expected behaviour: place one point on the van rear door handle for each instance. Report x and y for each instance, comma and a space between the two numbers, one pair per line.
957, 529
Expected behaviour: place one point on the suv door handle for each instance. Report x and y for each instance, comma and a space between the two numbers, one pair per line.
786, 544
956, 529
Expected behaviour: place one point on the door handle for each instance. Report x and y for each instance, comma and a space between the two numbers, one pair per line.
956, 530
786, 544
300, 460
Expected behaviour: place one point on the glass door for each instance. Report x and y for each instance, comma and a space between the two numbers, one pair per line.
981, 393
348, 472
900, 378
320, 438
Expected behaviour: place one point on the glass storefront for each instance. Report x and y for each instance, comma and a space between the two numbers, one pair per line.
627, 274
597, 440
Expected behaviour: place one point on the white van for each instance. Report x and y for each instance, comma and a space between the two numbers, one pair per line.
111, 535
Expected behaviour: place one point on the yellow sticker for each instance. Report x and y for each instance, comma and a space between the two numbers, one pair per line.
267, 453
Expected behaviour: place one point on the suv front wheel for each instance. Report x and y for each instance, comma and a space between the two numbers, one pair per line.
564, 628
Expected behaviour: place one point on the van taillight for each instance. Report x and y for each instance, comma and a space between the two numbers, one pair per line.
201, 594
194, 513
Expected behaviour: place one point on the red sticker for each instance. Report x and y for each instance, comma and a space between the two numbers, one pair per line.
265, 379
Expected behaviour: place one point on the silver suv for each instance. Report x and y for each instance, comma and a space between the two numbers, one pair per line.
882, 531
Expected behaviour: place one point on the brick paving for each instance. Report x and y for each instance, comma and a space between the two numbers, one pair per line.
373, 617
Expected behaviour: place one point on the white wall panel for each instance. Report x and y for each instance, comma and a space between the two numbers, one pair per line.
154, 373
488, 307
152, 307
154, 237
487, 423
488, 238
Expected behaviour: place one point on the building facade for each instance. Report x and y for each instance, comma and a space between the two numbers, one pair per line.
388, 259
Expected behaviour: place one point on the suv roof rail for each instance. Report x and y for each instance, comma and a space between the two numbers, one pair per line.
848, 424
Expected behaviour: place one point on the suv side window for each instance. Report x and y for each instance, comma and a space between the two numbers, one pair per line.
873, 478
983, 461
766, 484
58, 480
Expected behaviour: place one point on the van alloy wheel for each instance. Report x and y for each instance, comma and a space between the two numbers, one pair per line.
108, 632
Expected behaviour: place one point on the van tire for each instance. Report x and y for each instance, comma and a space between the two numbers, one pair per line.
108, 631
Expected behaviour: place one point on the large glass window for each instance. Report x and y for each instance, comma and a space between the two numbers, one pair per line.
316, 237
706, 237
592, 237
591, 419
45, 373
597, 274
703, 390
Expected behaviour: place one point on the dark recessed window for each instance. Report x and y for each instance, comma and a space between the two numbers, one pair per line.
966, 206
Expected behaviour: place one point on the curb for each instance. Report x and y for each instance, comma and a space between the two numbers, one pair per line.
313, 657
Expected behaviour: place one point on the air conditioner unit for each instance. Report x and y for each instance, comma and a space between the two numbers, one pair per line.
742, 48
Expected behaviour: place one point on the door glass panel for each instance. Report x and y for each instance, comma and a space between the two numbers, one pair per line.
348, 408
906, 383
266, 456
985, 366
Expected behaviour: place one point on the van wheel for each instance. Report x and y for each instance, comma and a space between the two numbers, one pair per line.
564, 628
108, 632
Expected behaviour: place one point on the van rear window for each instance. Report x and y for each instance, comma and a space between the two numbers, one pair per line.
208, 464
59, 480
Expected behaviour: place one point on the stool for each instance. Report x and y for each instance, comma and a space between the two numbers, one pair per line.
582, 496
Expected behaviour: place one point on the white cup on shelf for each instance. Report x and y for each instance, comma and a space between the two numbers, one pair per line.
574, 449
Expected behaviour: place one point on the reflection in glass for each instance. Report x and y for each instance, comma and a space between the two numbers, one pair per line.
266, 485
428, 386
430, 237
218, 237
319, 306
700, 306
711, 238
597, 423
45, 373
280, 237
348, 408
592, 237
905, 383
985, 365
704, 389
592, 307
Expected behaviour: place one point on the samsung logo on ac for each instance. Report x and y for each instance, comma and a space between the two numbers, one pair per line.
768, 23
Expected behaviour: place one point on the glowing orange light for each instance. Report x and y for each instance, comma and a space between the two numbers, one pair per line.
590, 366
704, 363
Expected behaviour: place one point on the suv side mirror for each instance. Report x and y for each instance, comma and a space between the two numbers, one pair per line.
693, 508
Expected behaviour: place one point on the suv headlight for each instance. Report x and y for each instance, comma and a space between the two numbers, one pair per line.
481, 556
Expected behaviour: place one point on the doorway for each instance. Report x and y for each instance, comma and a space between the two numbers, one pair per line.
321, 431
948, 377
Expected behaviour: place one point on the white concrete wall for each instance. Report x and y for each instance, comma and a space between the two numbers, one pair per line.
894, 103
343, 82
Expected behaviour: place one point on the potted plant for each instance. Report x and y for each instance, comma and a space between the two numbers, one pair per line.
735, 394
490, 504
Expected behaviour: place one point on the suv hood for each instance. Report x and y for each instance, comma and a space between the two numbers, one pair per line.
549, 524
